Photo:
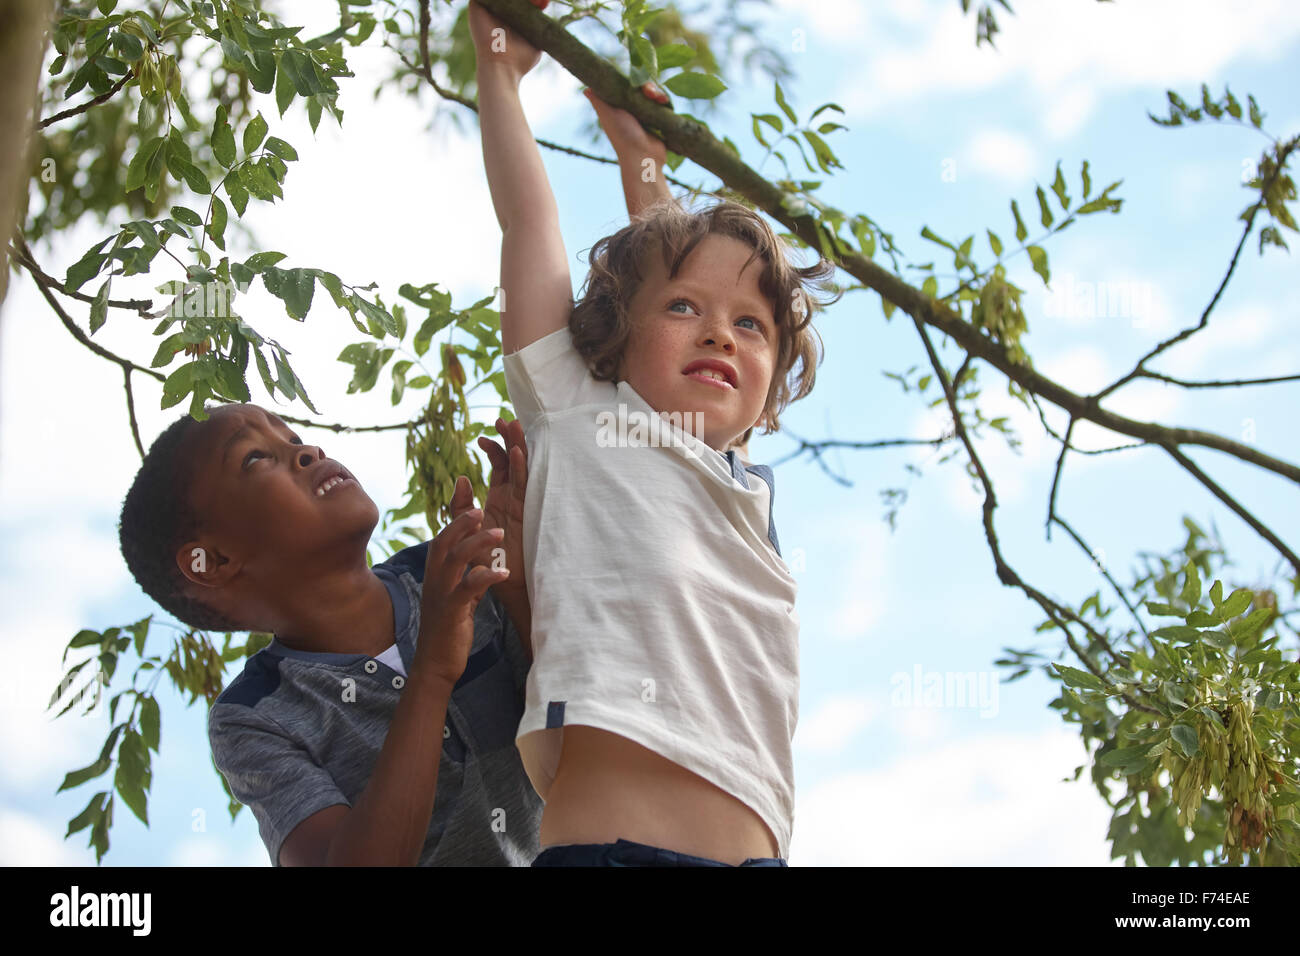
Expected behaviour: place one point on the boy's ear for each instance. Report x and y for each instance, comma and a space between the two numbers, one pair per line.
203, 565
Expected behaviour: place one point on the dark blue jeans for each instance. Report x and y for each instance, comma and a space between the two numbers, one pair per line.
627, 853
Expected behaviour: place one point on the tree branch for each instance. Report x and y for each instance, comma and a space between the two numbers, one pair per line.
106, 95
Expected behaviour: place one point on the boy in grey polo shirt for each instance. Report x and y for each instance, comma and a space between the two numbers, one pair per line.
378, 726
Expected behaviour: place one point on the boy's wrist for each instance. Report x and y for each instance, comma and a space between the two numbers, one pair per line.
493, 72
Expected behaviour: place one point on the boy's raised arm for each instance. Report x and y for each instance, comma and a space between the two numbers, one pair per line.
640, 155
534, 267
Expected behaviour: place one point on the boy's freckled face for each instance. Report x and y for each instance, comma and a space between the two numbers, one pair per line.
255, 489
704, 341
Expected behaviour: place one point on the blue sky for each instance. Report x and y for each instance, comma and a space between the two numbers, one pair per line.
877, 781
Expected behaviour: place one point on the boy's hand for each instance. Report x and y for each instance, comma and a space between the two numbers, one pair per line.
504, 506
449, 594
506, 49
626, 135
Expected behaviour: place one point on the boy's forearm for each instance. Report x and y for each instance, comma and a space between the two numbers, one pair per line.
534, 267
515, 174
388, 824
639, 193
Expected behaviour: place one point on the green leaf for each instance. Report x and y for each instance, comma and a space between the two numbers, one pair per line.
179, 384
1163, 610
1192, 588
136, 171
217, 224
281, 148
1043, 208
150, 721
995, 243
1058, 187
672, 55
1250, 626
231, 379
253, 133
94, 809
1186, 738
1122, 756
223, 139
695, 86
1038, 256
293, 286
1087, 180
1178, 632
237, 193
284, 88
99, 306
1216, 593
78, 777
785, 107
1021, 232
187, 216
1237, 602
926, 233
261, 260
1077, 678
187, 172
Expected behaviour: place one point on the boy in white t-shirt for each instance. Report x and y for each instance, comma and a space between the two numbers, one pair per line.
663, 694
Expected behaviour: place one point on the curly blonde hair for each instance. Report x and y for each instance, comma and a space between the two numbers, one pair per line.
601, 325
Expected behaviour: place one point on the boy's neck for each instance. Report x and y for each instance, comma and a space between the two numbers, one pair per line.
356, 618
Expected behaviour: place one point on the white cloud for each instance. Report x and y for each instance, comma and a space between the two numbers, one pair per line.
207, 850
866, 596
1083, 368
1003, 155
1067, 113
27, 841
994, 800
832, 726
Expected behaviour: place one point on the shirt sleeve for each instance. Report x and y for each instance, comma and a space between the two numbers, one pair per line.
268, 772
549, 375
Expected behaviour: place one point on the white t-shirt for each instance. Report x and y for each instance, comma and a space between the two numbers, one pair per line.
661, 608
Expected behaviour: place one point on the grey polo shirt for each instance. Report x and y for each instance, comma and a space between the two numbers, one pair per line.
297, 732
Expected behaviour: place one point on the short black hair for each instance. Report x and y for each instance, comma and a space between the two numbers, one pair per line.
157, 518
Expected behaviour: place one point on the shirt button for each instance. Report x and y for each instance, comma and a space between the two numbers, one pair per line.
398, 682
371, 667
446, 732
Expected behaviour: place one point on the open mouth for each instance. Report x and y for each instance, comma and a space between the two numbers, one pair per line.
338, 478
713, 373
710, 377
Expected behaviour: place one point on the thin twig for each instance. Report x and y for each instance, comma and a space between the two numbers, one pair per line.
1006, 574
1102, 568
1233, 384
107, 94
1232, 503
1218, 293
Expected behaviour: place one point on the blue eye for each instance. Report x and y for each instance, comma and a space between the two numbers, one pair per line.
750, 318
678, 302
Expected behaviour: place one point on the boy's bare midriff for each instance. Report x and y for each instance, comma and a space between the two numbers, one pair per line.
608, 788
